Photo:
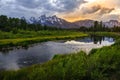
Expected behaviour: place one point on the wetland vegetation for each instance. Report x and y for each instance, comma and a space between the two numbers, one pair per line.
100, 64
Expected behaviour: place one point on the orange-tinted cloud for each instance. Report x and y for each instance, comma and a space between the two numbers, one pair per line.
95, 9
70, 10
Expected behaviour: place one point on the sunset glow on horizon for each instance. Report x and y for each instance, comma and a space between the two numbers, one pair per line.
104, 10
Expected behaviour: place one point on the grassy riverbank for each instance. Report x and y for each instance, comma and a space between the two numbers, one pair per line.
101, 64
24, 38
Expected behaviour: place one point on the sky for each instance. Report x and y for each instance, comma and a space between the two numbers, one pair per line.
70, 10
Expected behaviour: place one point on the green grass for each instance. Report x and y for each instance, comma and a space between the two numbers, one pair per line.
25, 38
101, 64
31, 34
104, 64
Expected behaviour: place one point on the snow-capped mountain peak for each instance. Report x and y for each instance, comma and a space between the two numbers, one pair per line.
54, 21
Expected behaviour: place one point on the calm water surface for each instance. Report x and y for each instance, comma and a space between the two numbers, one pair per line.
43, 52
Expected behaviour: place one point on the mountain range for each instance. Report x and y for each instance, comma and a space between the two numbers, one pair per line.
54, 21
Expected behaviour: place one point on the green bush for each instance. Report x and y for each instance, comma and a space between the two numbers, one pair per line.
101, 64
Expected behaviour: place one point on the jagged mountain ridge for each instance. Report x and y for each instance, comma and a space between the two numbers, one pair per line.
54, 21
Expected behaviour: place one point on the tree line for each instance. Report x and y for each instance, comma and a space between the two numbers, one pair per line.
99, 26
14, 24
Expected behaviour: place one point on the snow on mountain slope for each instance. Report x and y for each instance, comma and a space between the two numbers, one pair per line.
54, 21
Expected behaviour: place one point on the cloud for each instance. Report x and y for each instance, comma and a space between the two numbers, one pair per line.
36, 8
68, 5
70, 10
53, 5
108, 17
105, 10
28, 8
89, 10
95, 10
32, 3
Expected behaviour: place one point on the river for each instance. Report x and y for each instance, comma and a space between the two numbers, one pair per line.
43, 52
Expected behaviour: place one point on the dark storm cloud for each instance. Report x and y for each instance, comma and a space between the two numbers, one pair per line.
96, 9
53, 5
32, 3
37, 7
69, 5
90, 10
105, 10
